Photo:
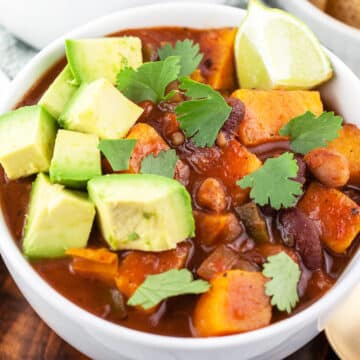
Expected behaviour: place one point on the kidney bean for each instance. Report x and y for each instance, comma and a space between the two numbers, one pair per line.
298, 230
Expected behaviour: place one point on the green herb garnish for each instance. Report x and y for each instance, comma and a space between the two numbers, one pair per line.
188, 52
163, 164
150, 80
203, 116
308, 132
118, 152
284, 273
157, 288
273, 183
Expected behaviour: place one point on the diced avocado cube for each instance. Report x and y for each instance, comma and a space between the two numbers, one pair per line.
91, 59
76, 159
99, 108
58, 219
142, 212
27, 138
59, 93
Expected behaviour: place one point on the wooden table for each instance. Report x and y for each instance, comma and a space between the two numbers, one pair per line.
24, 336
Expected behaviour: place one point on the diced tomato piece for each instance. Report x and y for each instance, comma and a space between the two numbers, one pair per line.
137, 265
215, 228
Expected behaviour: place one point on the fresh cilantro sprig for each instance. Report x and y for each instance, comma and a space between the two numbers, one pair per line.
203, 116
150, 80
117, 152
308, 132
284, 273
157, 288
188, 52
163, 164
273, 183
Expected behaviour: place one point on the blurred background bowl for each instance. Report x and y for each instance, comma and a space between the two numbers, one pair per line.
38, 22
342, 39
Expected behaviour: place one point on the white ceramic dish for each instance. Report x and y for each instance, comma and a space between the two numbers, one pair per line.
100, 339
38, 22
343, 39
4, 83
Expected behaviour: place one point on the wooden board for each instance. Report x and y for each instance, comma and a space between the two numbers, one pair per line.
24, 336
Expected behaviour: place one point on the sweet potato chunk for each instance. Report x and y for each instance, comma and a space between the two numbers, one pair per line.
148, 142
95, 263
235, 303
337, 215
138, 264
217, 66
235, 163
214, 228
211, 195
268, 111
348, 144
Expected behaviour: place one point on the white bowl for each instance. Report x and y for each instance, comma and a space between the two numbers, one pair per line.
38, 22
343, 39
100, 339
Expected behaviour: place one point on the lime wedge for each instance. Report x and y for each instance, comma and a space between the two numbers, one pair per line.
275, 50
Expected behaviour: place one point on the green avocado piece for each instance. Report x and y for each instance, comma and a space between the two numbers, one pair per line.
27, 137
58, 219
142, 212
99, 108
59, 93
91, 59
76, 159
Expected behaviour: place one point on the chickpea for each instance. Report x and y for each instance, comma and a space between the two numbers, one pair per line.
221, 140
177, 138
211, 195
328, 166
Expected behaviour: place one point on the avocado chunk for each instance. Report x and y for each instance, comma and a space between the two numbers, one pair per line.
27, 137
99, 108
91, 59
76, 159
254, 222
142, 212
58, 219
59, 93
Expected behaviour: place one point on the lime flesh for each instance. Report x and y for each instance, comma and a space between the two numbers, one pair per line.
275, 50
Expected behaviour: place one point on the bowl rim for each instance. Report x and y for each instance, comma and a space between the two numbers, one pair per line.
318, 15
16, 262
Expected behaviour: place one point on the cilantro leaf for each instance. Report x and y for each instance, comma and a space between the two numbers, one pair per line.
188, 52
308, 132
285, 274
163, 164
157, 288
273, 183
203, 116
117, 152
150, 80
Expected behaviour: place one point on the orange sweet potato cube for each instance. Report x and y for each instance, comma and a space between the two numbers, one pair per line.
148, 142
138, 264
95, 263
348, 144
214, 228
267, 111
235, 303
217, 66
337, 215
235, 163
